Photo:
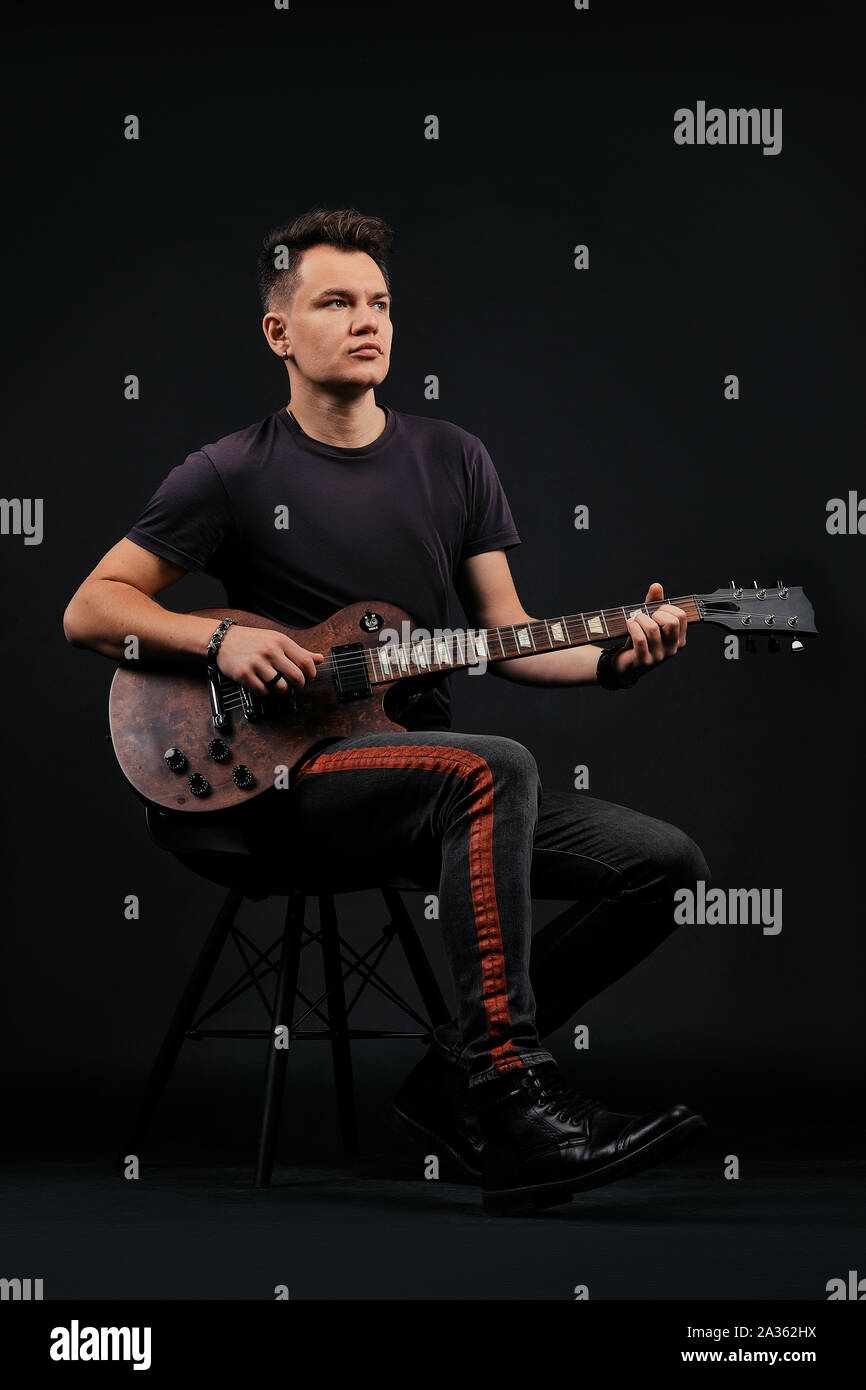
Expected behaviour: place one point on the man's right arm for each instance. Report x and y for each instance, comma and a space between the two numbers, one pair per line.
115, 601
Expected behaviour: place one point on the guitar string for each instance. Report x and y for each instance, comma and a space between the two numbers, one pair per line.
357, 660
346, 662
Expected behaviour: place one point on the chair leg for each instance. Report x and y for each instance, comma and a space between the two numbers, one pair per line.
184, 1015
284, 1012
341, 1048
419, 965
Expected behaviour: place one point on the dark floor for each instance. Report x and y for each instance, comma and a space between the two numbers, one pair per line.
193, 1227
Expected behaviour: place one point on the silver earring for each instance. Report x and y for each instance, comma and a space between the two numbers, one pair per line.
285, 352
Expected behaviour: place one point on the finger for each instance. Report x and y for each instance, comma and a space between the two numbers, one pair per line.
654, 592
653, 636
683, 622
669, 624
265, 668
301, 658
639, 642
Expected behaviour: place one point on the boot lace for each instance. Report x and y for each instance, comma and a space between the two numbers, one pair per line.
552, 1094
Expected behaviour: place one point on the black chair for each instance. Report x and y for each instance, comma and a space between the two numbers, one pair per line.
219, 850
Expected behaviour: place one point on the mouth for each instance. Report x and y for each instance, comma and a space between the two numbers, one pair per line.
366, 351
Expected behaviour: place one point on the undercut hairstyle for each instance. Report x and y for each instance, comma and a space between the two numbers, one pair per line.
345, 228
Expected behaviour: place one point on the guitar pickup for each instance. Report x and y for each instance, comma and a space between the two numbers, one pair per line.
350, 671
251, 705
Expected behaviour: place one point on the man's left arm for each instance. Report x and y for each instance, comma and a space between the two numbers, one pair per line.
486, 589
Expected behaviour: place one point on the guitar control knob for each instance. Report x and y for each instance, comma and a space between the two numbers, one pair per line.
174, 759
219, 750
199, 785
242, 777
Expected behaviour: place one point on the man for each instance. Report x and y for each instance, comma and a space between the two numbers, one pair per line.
386, 504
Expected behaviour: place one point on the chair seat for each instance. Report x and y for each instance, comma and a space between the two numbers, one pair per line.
218, 848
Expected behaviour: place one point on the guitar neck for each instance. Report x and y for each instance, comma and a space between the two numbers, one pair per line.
455, 650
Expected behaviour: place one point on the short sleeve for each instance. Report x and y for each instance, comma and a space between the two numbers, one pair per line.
188, 518
489, 523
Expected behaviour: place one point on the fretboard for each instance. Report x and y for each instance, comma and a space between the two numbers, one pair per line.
462, 647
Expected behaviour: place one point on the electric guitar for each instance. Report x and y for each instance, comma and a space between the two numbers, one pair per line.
190, 744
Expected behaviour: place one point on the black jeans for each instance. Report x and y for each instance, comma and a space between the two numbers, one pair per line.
464, 816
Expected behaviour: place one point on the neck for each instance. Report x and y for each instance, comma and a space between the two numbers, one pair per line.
347, 424
389, 661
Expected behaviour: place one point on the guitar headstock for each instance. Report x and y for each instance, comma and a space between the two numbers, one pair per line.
776, 612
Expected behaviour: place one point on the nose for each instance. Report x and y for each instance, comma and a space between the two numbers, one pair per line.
365, 322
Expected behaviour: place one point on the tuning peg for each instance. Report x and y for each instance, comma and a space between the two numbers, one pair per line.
759, 593
783, 592
738, 593
751, 645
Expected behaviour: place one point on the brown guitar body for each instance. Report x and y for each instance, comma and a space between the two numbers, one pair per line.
157, 707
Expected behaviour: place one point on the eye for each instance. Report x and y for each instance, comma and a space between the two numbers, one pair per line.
334, 301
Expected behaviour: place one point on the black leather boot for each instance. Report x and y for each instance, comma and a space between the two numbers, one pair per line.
542, 1142
434, 1101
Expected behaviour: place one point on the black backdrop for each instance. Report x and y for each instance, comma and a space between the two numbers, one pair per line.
602, 387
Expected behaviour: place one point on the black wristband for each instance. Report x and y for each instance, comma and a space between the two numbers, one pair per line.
606, 674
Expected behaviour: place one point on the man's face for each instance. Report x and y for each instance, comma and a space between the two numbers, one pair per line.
340, 303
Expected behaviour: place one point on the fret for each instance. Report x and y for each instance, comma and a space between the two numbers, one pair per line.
387, 662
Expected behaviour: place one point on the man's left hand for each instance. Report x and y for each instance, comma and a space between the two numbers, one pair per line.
651, 640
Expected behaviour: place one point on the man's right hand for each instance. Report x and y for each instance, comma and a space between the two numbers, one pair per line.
251, 656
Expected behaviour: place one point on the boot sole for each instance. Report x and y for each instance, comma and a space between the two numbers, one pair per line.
516, 1201
406, 1124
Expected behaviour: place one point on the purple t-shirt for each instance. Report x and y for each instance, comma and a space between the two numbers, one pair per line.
391, 521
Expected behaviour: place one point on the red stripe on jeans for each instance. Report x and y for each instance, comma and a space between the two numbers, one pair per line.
472, 768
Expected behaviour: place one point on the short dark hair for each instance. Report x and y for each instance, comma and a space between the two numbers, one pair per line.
345, 228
